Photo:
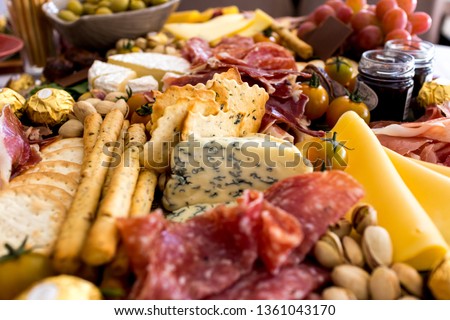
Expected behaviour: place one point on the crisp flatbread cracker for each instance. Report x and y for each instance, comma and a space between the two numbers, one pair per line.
73, 154
68, 168
63, 196
32, 213
63, 143
46, 178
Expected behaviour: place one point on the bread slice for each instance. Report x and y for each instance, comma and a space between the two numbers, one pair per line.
32, 213
46, 178
63, 143
73, 154
67, 168
63, 196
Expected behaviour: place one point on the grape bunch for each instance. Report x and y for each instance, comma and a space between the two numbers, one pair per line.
372, 25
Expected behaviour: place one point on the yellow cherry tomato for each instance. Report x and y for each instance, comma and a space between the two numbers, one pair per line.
343, 104
318, 101
339, 69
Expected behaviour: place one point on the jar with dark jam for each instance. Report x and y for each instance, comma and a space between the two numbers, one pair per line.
390, 75
423, 53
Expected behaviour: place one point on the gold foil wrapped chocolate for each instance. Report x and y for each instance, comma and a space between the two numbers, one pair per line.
49, 106
13, 99
434, 92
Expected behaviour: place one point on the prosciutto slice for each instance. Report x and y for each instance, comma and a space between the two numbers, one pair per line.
16, 154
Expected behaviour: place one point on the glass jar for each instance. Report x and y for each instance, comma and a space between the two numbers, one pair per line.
390, 75
423, 53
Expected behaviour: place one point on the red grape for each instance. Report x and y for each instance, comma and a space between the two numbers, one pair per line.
335, 4
372, 8
420, 21
370, 37
344, 14
408, 5
398, 34
395, 18
356, 5
322, 12
408, 27
384, 6
305, 28
362, 19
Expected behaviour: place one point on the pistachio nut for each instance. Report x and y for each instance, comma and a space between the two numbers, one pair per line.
338, 293
115, 96
384, 284
439, 281
93, 101
377, 247
363, 216
85, 96
327, 255
408, 297
410, 278
352, 251
81, 109
122, 105
98, 93
71, 129
342, 228
103, 107
352, 278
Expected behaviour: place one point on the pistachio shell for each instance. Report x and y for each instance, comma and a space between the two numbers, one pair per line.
326, 255
352, 278
377, 247
363, 216
103, 107
82, 109
410, 279
342, 228
352, 251
384, 284
71, 129
115, 96
338, 293
122, 105
93, 101
439, 281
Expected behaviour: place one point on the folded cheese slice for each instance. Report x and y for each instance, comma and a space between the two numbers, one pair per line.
415, 237
430, 188
218, 170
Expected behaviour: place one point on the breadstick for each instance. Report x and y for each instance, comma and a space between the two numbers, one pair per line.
118, 150
101, 244
304, 50
92, 124
84, 205
141, 203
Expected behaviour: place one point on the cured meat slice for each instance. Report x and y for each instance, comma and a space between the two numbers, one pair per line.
197, 51
268, 55
16, 154
236, 46
293, 282
317, 200
208, 253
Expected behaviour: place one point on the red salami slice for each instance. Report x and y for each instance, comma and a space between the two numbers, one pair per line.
294, 282
268, 55
208, 253
236, 46
317, 199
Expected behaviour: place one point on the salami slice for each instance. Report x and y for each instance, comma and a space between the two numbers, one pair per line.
268, 55
317, 199
236, 46
294, 282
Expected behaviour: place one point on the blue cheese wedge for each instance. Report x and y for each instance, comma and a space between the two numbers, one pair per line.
151, 64
218, 170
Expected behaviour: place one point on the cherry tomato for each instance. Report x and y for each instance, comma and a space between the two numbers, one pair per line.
343, 104
142, 114
339, 69
135, 101
325, 153
19, 269
318, 98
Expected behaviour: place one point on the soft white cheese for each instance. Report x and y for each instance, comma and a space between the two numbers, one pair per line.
102, 69
142, 84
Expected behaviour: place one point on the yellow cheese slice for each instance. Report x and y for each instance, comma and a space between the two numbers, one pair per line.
212, 30
435, 167
415, 238
430, 188
260, 22
188, 16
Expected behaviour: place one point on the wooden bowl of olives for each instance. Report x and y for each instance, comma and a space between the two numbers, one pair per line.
98, 24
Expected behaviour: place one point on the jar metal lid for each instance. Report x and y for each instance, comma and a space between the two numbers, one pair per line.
422, 51
388, 65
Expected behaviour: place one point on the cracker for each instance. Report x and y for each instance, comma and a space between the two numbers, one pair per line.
46, 178
73, 154
68, 168
63, 196
63, 143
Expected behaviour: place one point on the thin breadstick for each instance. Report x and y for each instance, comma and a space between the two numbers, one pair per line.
304, 50
118, 150
101, 244
92, 124
120, 265
144, 193
82, 211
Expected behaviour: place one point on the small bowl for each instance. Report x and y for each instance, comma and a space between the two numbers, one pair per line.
100, 32
9, 45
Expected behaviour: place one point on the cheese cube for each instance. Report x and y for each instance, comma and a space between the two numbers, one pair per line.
142, 84
109, 77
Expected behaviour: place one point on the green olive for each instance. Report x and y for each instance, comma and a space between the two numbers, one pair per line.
75, 6
119, 5
89, 8
92, 1
67, 15
105, 3
103, 10
137, 5
156, 2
